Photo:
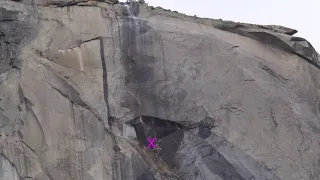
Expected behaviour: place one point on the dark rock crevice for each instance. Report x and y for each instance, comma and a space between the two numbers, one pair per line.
104, 75
116, 158
65, 4
61, 4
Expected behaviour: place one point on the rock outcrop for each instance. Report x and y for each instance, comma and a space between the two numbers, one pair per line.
83, 84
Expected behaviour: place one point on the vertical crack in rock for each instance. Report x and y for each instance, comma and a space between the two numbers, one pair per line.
104, 75
115, 166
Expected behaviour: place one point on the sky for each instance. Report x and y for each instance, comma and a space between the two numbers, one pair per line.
302, 15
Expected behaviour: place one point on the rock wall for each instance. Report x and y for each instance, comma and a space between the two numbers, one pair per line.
83, 84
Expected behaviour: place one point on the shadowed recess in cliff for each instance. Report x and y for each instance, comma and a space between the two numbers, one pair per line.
168, 135
179, 148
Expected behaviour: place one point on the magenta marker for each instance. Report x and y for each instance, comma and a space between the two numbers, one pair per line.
151, 143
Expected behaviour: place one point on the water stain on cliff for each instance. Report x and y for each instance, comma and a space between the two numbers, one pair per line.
132, 29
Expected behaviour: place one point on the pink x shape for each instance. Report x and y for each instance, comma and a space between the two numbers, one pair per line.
151, 143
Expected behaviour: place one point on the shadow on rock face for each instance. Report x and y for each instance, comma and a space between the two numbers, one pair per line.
140, 74
205, 127
146, 176
169, 146
218, 164
204, 154
13, 35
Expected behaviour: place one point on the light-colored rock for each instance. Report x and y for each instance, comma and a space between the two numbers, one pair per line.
85, 56
84, 84
7, 170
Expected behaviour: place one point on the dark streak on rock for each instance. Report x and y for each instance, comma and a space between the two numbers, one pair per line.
72, 113
273, 118
115, 166
234, 47
64, 4
73, 95
13, 35
132, 28
205, 127
104, 76
261, 58
218, 164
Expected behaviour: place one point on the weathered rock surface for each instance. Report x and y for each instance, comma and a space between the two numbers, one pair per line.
83, 84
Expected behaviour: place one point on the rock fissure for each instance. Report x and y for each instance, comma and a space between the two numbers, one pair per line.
68, 3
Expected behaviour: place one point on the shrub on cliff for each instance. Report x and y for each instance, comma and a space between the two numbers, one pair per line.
142, 2
137, 1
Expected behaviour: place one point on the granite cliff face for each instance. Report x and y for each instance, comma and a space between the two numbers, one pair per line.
83, 84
